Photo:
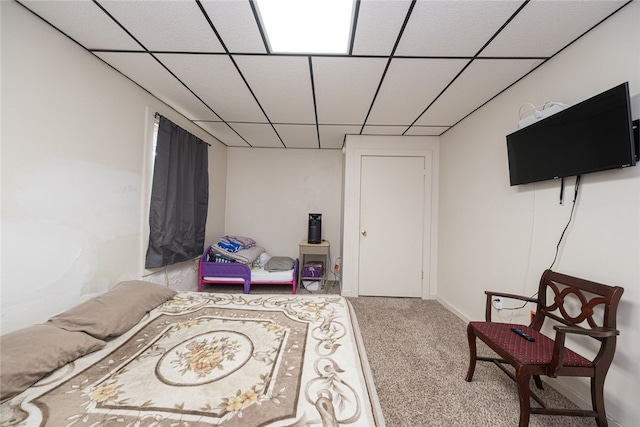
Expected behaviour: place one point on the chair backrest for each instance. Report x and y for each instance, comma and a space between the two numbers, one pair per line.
574, 300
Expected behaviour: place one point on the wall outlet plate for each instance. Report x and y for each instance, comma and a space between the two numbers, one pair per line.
497, 303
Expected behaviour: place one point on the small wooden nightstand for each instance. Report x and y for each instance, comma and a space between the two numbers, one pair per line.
314, 252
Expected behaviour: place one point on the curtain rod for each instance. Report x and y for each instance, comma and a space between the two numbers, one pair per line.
158, 115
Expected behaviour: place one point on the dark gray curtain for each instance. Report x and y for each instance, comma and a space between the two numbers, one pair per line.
179, 197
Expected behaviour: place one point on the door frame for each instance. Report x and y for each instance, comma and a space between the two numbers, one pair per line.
357, 146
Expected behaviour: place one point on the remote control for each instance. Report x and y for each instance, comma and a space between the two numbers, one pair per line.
523, 335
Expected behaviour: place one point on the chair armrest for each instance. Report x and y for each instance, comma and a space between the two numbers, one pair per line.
592, 332
512, 296
491, 294
562, 331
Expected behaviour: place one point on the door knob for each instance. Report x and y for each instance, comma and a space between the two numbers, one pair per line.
363, 232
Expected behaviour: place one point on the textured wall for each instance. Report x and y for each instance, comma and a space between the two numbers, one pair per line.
493, 236
76, 169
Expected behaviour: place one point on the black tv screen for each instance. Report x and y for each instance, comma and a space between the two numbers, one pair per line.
591, 136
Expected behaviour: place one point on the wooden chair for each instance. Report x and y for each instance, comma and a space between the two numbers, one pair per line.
545, 356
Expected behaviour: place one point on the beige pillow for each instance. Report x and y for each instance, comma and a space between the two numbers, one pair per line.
114, 312
31, 353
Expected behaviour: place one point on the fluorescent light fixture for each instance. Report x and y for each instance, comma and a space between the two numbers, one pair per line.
307, 26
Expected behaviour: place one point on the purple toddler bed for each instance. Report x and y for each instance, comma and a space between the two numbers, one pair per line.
238, 273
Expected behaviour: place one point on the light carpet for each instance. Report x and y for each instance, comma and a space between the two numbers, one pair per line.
419, 355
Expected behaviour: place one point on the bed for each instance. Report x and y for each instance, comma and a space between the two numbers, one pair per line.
197, 359
218, 270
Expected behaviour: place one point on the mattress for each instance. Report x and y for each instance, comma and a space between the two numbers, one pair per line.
258, 275
214, 359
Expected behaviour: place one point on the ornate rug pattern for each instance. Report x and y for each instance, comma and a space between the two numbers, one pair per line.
205, 359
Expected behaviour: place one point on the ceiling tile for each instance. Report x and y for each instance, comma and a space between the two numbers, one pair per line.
223, 133
236, 24
332, 136
84, 22
298, 136
410, 85
215, 79
465, 94
379, 24
543, 28
345, 88
148, 73
160, 25
453, 28
258, 134
282, 85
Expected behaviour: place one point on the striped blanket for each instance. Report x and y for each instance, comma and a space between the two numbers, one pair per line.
245, 256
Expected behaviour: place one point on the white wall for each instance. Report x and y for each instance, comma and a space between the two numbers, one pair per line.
271, 191
76, 164
75, 188
493, 236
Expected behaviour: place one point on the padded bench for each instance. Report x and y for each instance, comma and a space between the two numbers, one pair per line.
574, 306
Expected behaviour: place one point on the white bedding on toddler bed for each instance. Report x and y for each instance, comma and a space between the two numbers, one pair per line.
258, 275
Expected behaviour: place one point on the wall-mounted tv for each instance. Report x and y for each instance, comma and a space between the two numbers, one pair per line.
591, 136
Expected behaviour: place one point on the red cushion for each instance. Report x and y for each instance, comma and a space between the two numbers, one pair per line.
525, 352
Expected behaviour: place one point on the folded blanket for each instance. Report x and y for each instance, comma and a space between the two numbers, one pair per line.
247, 242
245, 256
229, 245
236, 243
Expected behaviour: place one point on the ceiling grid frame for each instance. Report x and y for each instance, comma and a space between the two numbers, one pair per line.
372, 19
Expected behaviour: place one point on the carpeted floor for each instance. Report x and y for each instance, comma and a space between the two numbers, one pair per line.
419, 355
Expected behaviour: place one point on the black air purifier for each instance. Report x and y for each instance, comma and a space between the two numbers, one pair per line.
315, 229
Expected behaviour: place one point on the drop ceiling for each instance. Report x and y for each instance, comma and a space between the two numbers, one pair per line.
414, 67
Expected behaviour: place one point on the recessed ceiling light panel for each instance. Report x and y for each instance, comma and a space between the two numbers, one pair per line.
307, 26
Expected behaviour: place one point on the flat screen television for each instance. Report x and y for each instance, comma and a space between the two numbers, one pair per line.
594, 135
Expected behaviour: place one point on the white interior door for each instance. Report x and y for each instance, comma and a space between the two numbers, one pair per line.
392, 219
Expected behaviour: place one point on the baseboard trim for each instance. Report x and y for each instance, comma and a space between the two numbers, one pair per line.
579, 400
449, 307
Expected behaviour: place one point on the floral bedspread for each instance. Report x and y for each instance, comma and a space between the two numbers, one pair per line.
205, 359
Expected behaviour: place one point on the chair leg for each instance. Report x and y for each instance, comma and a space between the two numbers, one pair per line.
472, 353
538, 381
597, 399
522, 380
